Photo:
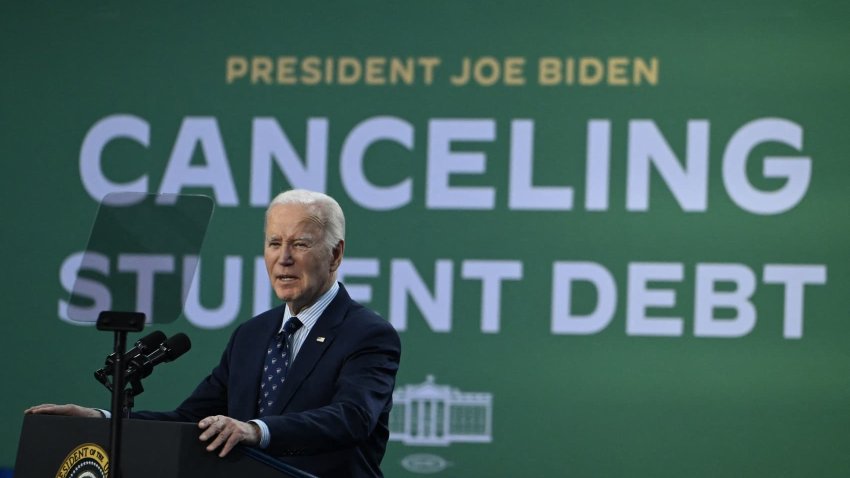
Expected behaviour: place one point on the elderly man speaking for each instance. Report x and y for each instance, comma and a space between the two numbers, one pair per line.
310, 381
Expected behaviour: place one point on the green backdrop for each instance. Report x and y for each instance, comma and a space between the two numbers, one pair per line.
640, 270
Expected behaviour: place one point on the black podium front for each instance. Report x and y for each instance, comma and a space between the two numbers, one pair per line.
149, 448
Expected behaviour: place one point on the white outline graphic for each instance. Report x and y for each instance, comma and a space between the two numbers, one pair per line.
430, 414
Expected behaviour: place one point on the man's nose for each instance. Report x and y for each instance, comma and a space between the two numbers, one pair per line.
285, 256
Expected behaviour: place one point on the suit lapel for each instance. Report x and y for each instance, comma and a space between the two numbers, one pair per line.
321, 336
253, 367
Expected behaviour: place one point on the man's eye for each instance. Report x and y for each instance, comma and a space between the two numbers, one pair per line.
300, 245
274, 244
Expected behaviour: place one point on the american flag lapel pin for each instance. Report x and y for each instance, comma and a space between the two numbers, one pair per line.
320, 339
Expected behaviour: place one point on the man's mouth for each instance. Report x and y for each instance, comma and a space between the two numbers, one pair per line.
286, 278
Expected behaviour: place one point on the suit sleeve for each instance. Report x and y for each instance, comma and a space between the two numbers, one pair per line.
362, 392
209, 397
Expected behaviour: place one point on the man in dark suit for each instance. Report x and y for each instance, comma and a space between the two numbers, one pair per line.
310, 381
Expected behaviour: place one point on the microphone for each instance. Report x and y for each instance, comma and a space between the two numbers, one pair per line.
142, 365
142, 346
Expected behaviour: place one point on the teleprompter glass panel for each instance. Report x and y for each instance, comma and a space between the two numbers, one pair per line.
141, 256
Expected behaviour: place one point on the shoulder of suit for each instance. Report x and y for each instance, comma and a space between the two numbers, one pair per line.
263, 320
355, 309
365, 319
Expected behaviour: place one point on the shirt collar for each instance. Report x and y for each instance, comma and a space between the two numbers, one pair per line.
309, 315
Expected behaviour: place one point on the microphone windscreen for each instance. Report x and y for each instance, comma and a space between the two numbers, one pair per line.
151, 341
177, 345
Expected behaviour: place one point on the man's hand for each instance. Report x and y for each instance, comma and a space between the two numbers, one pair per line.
227, 432
69, 409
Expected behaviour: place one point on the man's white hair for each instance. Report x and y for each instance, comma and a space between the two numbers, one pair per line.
323, 206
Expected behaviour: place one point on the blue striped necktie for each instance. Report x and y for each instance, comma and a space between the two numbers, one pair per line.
278, 358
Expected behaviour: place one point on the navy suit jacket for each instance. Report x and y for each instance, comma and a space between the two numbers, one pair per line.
332, 419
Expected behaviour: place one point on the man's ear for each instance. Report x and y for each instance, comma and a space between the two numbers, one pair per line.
336, 255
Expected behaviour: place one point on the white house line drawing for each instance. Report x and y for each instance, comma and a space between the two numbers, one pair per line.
437, 415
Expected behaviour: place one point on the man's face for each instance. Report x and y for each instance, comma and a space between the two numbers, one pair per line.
300, 266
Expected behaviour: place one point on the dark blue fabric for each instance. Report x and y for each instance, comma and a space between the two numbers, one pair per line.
275, 367
332, 418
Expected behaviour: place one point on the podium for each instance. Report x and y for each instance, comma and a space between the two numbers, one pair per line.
53, 446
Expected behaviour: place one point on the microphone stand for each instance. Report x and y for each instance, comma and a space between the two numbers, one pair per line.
120, 323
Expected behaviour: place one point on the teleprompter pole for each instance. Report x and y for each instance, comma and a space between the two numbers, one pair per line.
120, 323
